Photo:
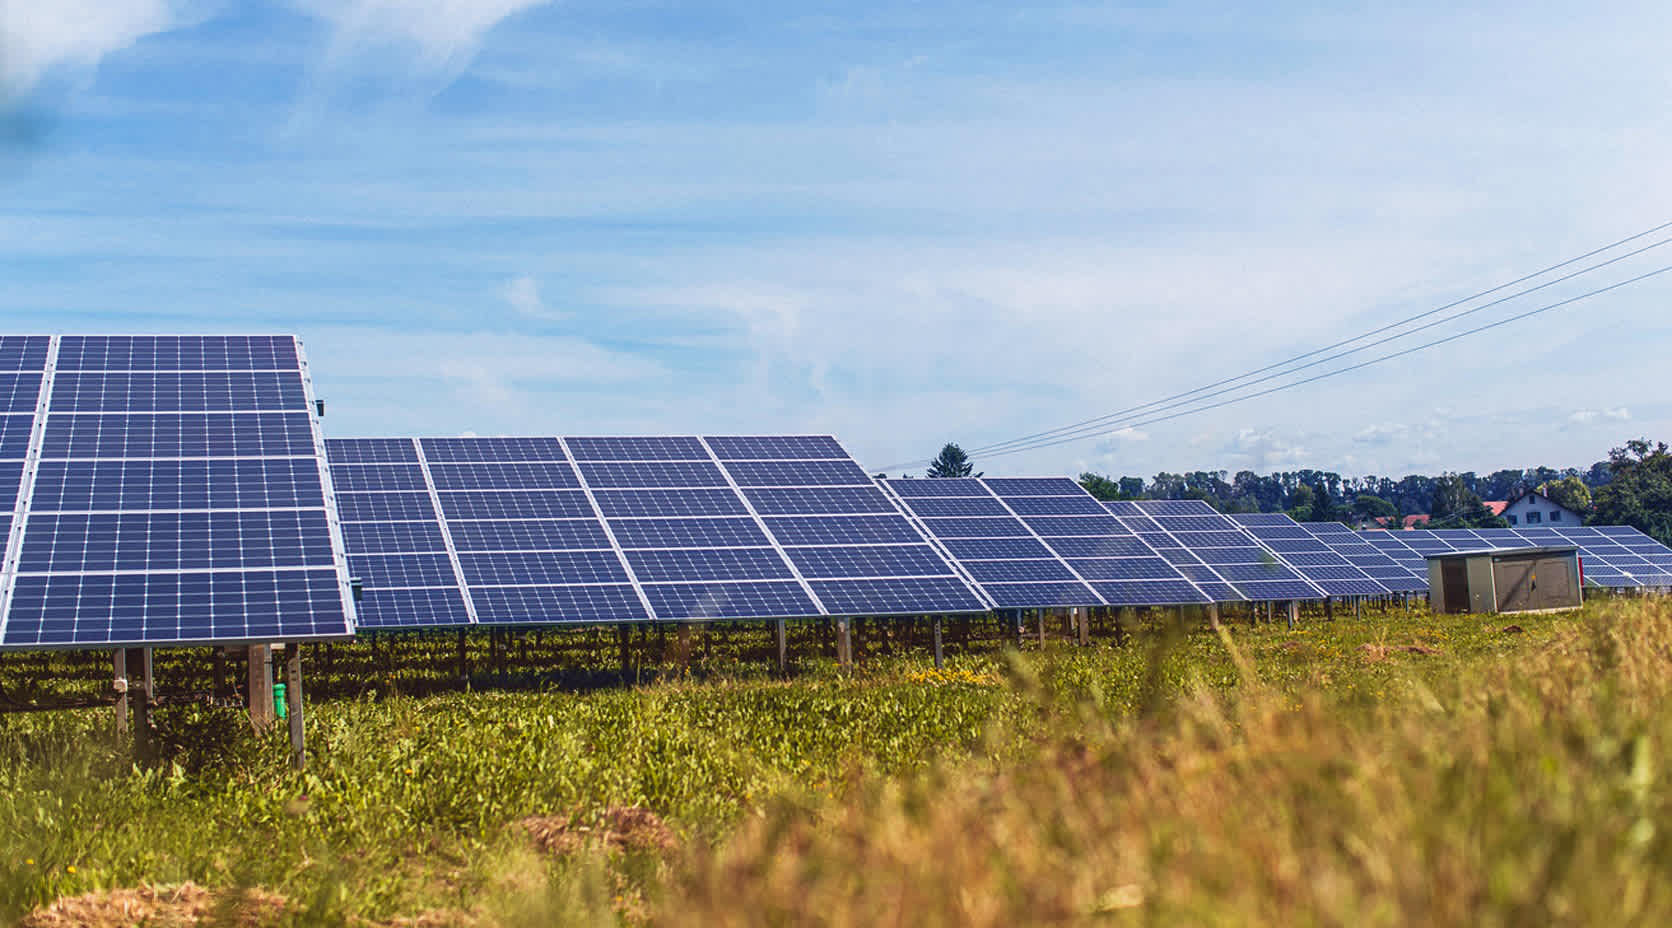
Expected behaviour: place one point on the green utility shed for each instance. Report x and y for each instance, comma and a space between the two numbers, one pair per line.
1505, 580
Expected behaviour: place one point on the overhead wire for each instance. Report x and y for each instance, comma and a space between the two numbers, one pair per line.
1359, 366
1301, 357
1101, 425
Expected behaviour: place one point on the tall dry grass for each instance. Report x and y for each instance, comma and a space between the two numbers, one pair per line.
1530, 790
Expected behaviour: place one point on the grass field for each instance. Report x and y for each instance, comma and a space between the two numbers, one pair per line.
1401, 768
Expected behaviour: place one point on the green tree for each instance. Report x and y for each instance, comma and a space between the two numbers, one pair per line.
1456, 506
1640, 493
1302, 504
1368, 507
952, 462
1569, 493
1102, 487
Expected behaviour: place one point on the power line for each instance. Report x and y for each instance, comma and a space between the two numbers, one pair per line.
1301, 357
1100, 425
1359, 366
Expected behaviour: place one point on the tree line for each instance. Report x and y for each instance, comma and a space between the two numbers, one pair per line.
1633, 487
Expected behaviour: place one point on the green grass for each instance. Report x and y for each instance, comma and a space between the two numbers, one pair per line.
410, 803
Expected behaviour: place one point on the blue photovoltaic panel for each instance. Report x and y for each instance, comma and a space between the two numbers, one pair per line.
818, 500
19, 392
776, 448
797, 473
1386, 570
672, 448
632, 528
603, 475
840, 533
516, 504
398, 549
784, 599
14, 436
179, 435
494, 450
1205, 543
1038, 541
1329, 571
740, 532
658, 566
176, 496
517, 475
23, 352
556, 605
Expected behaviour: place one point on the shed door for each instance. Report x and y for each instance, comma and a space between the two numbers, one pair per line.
1555, 584
1454, 576
1516, 580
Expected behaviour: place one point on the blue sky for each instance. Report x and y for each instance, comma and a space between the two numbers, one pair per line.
903, 223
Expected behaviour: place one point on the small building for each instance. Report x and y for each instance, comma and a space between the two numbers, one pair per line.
1534, 508
1506, 580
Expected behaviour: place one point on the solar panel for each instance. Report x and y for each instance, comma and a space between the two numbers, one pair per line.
1041, 542
613, 529
165, 490
1408, 577
1216, 550
1328, 570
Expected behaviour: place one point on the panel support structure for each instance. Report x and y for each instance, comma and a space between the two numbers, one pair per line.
293, 705
259, 693
937, 634
13, 550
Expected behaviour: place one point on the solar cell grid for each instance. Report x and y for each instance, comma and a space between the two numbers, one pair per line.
173, 435
671, 448
775, 447
1018, 570
689, 533
1011, 487
19, 392
687, 502
990, 548
385, 507
269, 391
254, 483
869, 561
515, 504
516, 475
1054, 506
651, 474
541, 568
1041, 595
691, 564
177, 353
730, 600
349, 478
1050, 526
939, 486
937, 507
893, 594
371, 451
15, 431
23, 352
499, 450
782, 501
841, 529
797, 473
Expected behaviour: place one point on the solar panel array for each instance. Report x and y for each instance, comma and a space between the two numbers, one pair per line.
165, 490
1613, 556
1310, 557
1042, 543
1214, 551
601, 529
1398, 575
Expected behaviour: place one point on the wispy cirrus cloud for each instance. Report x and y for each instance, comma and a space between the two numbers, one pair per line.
39, 40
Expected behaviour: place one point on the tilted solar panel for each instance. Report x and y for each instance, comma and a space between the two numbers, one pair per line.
1212, 547
1330, 571
1377, 564
171, 492
620, 529
1042, 542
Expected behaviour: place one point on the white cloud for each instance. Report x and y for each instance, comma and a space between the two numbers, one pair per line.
523, 293
1590, 416
40, 38
442, 34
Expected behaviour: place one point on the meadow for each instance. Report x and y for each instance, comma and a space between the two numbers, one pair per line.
1396, 768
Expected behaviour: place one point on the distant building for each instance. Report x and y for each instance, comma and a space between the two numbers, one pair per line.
1407, 522
1534, 509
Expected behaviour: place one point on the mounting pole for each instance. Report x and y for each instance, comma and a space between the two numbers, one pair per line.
260, 690
783, 648
293, 705
937, 632
1293, 612
1039, 618
1329, 609
120, 684
142, 709
1213, 615
844, 643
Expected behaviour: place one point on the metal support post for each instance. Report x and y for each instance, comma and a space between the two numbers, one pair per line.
783, 648
1039, 616
142, 708
937, 633
1329, 609
293, 705
259, 693
1213, 615
844, 642
1293, 612
120, 684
